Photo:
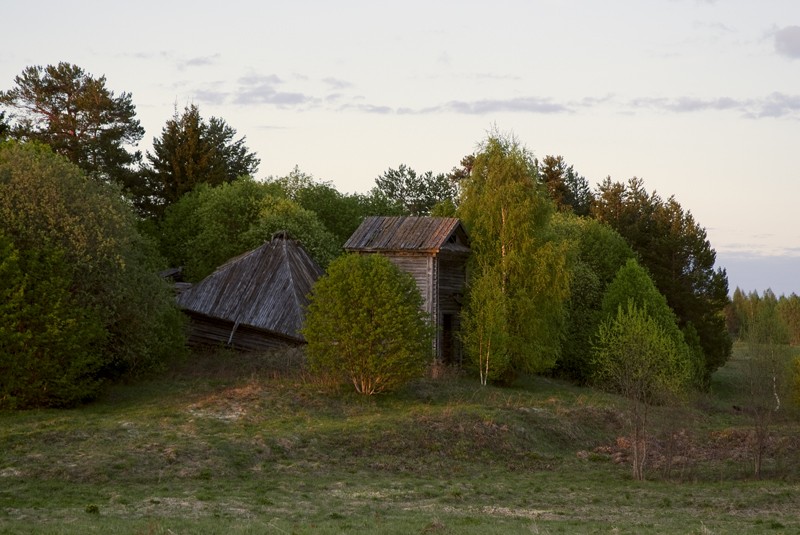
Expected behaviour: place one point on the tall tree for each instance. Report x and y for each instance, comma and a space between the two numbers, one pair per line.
678, 256
414, 194
189, 152
79, 117
569, 190
507, 215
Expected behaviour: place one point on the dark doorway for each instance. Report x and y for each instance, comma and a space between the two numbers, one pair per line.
449, 344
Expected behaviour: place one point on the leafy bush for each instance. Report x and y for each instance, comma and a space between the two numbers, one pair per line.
48, 342
84, 301
633, 284
365, 324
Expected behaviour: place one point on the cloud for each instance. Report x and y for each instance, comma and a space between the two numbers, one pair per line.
775, 105
590, 102
253, 79
263, 89
210, 96
368, 108
689, 104
715, 27
201, 61
336, 83
163, 54
787, 42
778, 105
518, 105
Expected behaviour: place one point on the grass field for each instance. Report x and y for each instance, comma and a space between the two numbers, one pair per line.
240, 444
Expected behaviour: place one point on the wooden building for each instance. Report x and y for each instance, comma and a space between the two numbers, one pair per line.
435, 251
254, 301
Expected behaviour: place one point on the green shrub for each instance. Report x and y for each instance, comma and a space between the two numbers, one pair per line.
50, 346
89, 305
365, 324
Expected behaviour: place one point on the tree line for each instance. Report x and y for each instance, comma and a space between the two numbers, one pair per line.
559, 275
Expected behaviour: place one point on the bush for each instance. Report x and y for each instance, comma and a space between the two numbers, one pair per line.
88, 303
49, 344
365, 324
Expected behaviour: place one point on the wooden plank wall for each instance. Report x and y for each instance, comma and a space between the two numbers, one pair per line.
420, 267
204, 330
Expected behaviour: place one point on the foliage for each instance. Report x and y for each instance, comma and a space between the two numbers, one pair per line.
569, 191
277, 214
507, 215
597, 252
789, 312
82, 230
484, 330
582, 321
414, 194
636, 357
340, 213
79, 117
376, 203
210, 225
745, 307
4, 127
189, 152
766, 372
632, 282
678, 256
633, 285
50, 345
365, 323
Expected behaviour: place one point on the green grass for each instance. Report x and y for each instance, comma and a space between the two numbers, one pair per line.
242, 444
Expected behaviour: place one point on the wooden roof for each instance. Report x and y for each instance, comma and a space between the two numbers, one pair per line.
409, 234
265, 288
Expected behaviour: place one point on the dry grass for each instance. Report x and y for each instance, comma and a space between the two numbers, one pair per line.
251, 444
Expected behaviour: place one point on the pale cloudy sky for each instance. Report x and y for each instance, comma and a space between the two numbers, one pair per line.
699, 98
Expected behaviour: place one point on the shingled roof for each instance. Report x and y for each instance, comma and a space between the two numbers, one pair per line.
420, 234
265, 288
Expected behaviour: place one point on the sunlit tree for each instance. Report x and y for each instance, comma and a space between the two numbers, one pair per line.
507, 214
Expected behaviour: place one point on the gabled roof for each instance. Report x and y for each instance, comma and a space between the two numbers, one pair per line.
409, 234
265, 288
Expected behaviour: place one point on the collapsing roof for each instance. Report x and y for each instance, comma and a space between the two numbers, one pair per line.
255, 300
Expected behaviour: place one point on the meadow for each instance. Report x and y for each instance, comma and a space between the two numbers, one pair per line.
233, 443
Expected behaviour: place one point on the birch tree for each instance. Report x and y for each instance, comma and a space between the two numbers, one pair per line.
766, 371
635, 357
507, 214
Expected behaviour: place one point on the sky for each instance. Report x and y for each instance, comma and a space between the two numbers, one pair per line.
698, 98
